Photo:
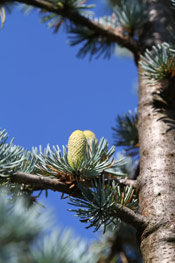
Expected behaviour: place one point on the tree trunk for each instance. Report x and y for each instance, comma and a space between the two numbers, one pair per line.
157, 147
157, 180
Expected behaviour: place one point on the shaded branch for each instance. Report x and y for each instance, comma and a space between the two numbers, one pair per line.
128, 216
54, 184
44, 182
112, 34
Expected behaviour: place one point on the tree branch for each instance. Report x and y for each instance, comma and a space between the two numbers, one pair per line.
128, 216
112, 34
44, 182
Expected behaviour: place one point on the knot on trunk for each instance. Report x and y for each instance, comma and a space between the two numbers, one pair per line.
164, 228
164, 103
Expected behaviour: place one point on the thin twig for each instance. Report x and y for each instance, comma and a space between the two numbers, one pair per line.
125, 181
128, 182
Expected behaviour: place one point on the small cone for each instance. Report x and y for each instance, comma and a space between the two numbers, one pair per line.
90, 136
76, 148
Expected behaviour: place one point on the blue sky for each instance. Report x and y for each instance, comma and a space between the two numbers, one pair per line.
47, 92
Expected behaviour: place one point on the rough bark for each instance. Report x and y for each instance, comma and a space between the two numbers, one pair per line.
157, 148
157, 180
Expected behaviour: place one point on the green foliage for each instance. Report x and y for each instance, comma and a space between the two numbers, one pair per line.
53, 21
130, 14
73, 6
24, 236
19, 227
98, 205
126, 169
62, 247
14, 158
114, 3
159, 62
99, 195
52, 162
126, 132
114, 244
92, 44
11, 156
173, 3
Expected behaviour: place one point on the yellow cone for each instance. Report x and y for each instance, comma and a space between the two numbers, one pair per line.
90, 136
76, 148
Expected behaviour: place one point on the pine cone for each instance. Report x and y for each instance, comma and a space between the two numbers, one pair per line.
90, 135
76, 148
